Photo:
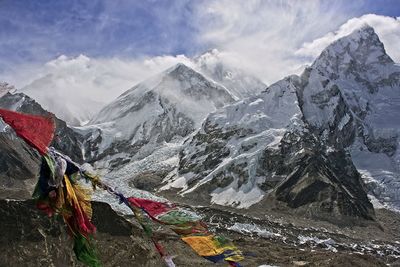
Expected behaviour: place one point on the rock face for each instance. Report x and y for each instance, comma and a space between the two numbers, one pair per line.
297, 141
318, 184
362, 114
30, 238
18, 169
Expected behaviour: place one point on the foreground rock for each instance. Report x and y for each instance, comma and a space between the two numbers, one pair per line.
29, 238
18, 169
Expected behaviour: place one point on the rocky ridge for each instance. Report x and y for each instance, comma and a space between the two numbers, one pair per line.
306, 159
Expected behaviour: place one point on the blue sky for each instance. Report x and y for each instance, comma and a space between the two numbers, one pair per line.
40, 30
96, 49
33, 32
379, 7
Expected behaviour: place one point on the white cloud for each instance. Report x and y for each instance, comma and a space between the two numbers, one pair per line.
387, 28
100, 79
264, 35
78, 87
275, 38
270, 39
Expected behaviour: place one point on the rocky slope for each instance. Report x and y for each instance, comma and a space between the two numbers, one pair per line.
296, 142
30, 238
353, 99
19, 162
18, 169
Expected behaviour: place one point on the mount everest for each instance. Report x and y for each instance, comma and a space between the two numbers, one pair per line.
92, 84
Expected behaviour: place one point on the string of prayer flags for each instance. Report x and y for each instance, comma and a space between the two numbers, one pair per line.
57, 190
87, 173
58, 193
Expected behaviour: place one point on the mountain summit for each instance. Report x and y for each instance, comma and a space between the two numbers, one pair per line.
351, 54
168, 106
239, 83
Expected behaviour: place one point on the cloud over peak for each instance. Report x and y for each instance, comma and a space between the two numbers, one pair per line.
387, 28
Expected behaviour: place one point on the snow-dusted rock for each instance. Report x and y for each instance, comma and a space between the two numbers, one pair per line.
228, 150
362, 112
296, 142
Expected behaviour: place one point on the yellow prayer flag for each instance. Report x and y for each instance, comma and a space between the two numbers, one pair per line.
207, 245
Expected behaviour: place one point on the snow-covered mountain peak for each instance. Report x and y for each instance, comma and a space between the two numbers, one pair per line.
180, 85
189, 77
352, 73
180, 67
364, 32
210, 56
357, 52
351, 95
164, 108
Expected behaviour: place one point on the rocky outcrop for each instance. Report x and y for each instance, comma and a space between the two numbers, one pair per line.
30, 238
18, 169
320, 184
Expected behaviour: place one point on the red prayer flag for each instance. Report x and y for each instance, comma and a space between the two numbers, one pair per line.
152, 208
37, 131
